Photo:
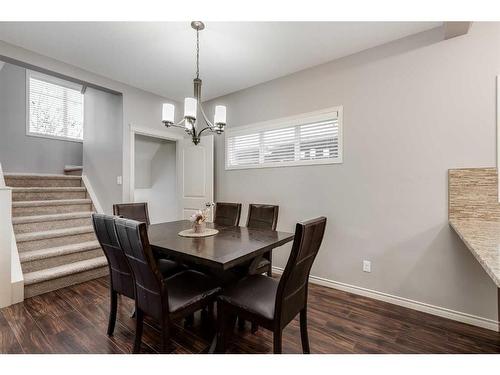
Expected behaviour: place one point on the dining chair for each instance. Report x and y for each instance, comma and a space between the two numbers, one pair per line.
163, 299
139, 212
227, 214
274, 303
263, 216
120, 275
135, 211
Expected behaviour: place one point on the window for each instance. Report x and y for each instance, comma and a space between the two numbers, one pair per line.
55, 107
313, 138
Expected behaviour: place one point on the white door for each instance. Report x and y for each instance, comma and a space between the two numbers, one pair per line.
195, 174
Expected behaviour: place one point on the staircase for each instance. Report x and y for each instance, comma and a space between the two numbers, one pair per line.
51, 215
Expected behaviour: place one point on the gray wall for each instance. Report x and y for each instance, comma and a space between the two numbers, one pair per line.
156, 177
140, 108
102, 151
18, 151
412, 110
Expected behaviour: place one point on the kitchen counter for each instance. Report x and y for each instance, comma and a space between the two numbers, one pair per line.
474, 214
482, 238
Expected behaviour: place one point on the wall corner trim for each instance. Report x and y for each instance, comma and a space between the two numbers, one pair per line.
443, 312
92, 194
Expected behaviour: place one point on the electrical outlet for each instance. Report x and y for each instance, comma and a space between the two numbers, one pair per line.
367, 266
119, 180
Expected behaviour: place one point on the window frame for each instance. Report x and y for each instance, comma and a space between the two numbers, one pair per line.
56, 81
285, 122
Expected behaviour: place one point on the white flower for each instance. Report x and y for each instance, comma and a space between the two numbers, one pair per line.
198, 217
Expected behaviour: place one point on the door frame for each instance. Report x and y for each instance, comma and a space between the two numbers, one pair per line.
149, 132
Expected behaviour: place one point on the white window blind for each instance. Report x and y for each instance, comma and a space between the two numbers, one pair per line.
299, 140
55, 107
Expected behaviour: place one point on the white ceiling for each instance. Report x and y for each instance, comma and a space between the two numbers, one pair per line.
160, 56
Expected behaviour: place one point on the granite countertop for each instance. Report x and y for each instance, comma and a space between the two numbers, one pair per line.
483, 240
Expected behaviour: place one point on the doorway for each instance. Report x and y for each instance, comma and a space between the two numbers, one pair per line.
170, 173
156, 177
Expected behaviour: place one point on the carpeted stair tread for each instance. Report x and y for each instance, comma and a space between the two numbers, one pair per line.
49, 189
51, 217
55, 202
64, 270
53, 228
30, 256
55, 233
25, 176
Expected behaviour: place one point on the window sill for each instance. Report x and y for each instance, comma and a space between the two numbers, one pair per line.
53, 137
288, 164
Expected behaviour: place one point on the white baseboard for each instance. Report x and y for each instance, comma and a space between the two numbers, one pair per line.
405, 302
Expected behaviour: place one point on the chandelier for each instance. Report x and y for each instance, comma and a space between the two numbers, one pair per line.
192, 105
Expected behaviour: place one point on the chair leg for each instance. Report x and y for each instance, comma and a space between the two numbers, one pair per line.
165, 337
211, 309
139, 320
112, 312
207, 314
241, 324
303, 331
189, 321
225, 325
277, 341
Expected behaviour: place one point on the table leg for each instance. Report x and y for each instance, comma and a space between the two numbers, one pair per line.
213, 345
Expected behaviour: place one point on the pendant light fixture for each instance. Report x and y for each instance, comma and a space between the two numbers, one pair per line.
193, 105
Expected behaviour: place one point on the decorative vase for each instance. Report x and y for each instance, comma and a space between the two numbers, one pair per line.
199, 228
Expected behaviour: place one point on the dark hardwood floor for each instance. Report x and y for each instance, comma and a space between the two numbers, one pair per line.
74, 320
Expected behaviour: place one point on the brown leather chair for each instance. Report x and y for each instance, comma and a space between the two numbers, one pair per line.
161, 298
271, 303
263, 216
120, 274
134, 211
227, 214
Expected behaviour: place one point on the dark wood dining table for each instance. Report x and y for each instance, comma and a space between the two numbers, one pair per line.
231, 247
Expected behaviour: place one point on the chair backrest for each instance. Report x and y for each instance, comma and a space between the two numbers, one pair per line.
227, 214
133, 211
262, 216
149, 286
292, 290
119, 269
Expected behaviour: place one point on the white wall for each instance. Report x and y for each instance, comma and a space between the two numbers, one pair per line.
156, 177
139, 107
412, 109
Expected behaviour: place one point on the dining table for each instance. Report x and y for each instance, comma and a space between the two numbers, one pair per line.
231, 248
